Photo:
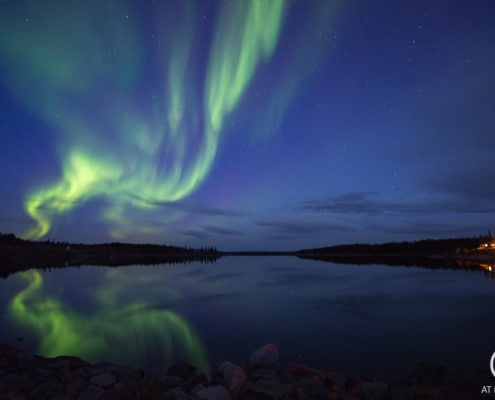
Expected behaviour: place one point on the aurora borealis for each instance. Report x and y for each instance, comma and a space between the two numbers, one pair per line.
246, 124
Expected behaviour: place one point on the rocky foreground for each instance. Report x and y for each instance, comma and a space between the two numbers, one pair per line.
23, 376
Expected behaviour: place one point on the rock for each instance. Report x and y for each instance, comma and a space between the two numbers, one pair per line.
262, 364
16, 383
92, 393
374, 390
213, 393
182, 370
104, 380
170, 381
61, 396
309, 383
299, 371
270, 373
309, 388
58, 363
150, 388
232, 377
128, 376
266, 390
24, 377
121, 372
42, 372
263, 357
47, 389
186, 376
71, 389
194, 382
67, 362
175, 394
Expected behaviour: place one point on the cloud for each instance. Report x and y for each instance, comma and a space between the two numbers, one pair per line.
197, 234
422, 227
210, 231
469, 188
295, 228
468, 193
220, 230
457, 205
190, 208
355, 202
360, 203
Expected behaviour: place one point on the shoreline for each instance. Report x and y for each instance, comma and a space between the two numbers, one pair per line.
25, 376
18, 255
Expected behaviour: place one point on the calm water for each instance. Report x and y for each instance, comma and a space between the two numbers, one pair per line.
368, 319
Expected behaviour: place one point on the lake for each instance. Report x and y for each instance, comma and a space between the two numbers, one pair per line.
372, 319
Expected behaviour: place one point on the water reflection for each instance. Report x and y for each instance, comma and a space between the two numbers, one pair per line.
488, 267
333, 316
475, 263
120, 331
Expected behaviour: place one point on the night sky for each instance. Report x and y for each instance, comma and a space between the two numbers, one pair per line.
270, 125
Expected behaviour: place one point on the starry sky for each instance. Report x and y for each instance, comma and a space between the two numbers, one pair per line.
247, 125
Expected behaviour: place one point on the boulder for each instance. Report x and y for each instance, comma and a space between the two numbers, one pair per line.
374, 390
169, 381
311, 389
92, 393
175, 394
66, 362
231, 376
296, 372
182, 370
213, 393
122, 373
267, 390
61, 396
265, 356
270, 373
262, 364
104, 380
194, 382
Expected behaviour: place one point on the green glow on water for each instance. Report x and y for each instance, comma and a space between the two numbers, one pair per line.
113, 332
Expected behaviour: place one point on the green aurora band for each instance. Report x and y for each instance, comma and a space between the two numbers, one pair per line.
130, 329
84, 70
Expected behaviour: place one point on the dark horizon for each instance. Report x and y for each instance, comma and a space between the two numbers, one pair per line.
474, 253
487, 237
